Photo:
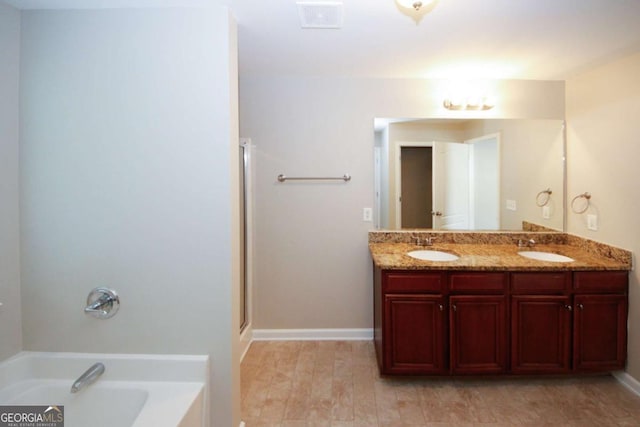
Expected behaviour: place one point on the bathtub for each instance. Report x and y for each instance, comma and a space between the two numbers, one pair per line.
134, 391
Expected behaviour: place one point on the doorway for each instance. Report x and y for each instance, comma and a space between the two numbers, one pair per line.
416, 176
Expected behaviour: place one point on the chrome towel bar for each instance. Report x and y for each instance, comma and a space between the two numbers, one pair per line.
282, 178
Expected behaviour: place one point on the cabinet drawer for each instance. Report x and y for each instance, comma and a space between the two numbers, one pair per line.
534, 283
600, 281
478, 282
413, 282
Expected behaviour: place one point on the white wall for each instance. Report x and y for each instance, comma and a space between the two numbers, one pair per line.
603, 153
312, 266
10, 327
128, 172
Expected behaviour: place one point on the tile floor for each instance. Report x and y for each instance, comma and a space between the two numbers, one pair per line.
336, 384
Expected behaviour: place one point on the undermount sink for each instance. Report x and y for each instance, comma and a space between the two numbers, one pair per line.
430, 255
545, 256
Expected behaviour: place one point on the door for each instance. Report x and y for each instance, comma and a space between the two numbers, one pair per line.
540, 334
600, 332
414, 334
450, 186
244, 156
484, 182
416, 177
478, 340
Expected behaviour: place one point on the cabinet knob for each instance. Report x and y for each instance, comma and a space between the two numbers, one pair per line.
568, 307
441, 307
454, 308
581, 307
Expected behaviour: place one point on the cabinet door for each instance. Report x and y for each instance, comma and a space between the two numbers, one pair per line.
414, 334
600, 332
540, 334
478, 339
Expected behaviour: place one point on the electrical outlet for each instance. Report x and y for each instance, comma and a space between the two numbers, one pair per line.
367, 214
546, 212
592, 222
511, 205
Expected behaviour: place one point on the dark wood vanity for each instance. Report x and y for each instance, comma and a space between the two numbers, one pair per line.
439, 322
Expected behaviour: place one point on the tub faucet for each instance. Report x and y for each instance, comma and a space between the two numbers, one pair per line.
88, 378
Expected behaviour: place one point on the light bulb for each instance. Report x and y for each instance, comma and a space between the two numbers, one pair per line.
413, 4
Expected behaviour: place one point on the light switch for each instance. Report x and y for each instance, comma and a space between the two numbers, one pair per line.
511, 205
592, 222
367, 214
546, 212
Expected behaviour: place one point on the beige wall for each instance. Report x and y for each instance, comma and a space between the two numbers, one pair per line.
531, 161
128, 168
603, 128
10, 325
312, 267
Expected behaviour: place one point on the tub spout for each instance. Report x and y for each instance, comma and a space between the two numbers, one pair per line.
89, 377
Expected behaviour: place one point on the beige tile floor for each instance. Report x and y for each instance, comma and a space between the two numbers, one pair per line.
336, 384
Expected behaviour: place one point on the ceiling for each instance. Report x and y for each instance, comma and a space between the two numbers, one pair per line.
462, 39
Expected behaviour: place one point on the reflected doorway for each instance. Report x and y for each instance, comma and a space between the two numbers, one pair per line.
416, 198
449, 185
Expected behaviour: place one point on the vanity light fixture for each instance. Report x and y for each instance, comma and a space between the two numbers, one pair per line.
468, 104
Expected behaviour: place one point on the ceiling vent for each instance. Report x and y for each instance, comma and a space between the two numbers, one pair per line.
320, 14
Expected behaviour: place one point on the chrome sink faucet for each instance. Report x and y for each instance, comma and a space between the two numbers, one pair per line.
526, 243
88, 378
428, 241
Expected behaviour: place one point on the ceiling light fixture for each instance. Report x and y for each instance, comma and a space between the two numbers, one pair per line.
416, 9
414, 4
410, 4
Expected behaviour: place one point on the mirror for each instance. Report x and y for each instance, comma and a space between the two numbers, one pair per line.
469, 174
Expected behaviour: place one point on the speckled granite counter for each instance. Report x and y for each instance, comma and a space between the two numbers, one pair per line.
497, 251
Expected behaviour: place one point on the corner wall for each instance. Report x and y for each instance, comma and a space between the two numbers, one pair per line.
603, 153
128, 161
10, 320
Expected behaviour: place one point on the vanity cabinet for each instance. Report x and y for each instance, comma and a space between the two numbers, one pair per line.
540, 323
478, 339
460, 323
414, 325
540, 334
478, 323
422, 329
410, 338
600, 321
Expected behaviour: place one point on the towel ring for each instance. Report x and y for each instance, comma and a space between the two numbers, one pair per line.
586, 196
543, 197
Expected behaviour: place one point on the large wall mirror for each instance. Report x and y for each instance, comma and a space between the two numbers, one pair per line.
469, 174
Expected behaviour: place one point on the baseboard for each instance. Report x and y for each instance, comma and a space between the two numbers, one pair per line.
312, 334
246, 336
628, 381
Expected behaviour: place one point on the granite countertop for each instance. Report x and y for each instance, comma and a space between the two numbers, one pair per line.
488, 257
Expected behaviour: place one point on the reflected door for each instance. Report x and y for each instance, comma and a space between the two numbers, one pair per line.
416, 176
450, 186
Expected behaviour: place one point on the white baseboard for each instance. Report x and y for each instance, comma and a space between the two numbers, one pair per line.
246, 336
628, 381
312, 334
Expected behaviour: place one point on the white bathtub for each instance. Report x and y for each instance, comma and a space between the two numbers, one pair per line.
134, 391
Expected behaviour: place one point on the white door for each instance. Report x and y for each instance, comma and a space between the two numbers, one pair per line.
484, 161
450, 186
